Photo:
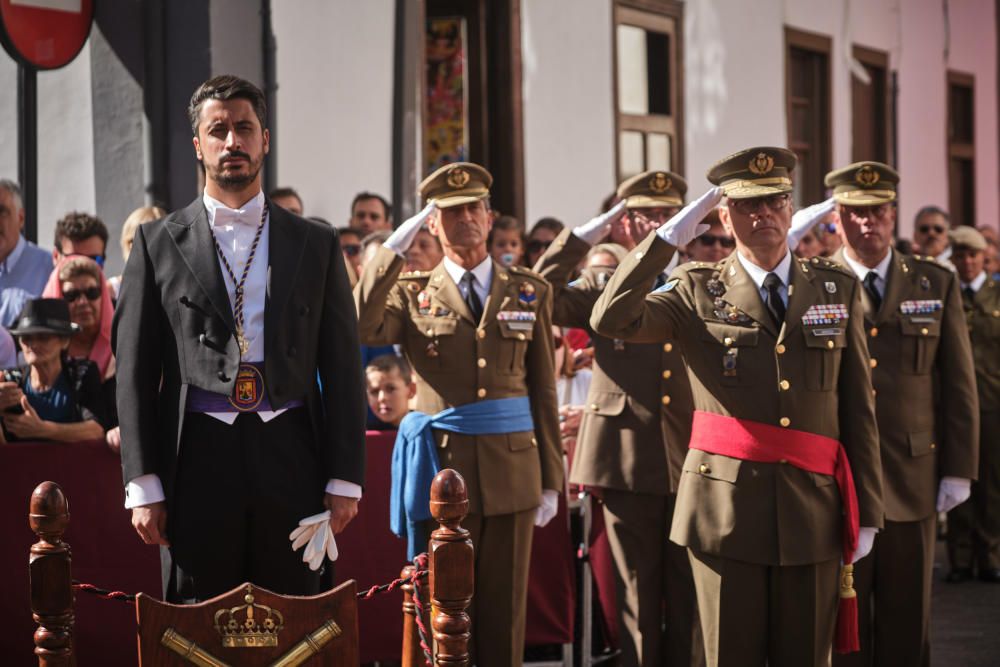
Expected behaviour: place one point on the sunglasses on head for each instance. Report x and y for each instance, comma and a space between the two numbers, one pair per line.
708, 240
351, 250
927, 229
92, 294
98, 259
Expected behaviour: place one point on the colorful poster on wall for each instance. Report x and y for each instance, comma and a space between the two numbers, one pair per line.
446, 112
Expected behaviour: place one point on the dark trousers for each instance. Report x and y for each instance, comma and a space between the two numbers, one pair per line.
239, 491
974, 526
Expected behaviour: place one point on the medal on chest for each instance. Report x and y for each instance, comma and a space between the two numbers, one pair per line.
248, 390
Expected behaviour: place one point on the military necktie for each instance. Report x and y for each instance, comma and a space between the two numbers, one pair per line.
968, 296
471, 298
872, 290
775, 306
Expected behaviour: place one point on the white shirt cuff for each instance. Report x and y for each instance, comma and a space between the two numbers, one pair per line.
144, 490
338, 487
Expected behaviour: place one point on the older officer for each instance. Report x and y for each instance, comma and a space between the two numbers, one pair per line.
480, 337
919, 348
974, 527
633, 437
783, 416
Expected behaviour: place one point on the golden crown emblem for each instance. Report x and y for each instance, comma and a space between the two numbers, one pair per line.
457, 178
659, 183
866, 176
250, 625
761, 164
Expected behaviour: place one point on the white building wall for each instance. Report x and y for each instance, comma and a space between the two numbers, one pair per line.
8, 114
334, 101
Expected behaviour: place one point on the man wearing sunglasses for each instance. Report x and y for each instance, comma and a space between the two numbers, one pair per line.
634, 433
82, 235
781, 482
926, 405
714, 245
930, 234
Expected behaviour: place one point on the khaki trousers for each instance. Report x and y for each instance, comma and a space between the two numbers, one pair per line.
974, 526
893, 584
654, 589
752, 615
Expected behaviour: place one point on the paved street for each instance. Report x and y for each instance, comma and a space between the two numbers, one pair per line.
965, 630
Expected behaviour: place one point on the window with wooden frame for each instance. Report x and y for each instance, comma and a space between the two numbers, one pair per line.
807, 92
961, 149
871, 116
647, 74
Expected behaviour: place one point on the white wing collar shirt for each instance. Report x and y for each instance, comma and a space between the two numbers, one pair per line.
235, 230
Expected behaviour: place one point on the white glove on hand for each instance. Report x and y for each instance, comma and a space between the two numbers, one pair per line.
401, 239
593, 231
547, 510
866, 540
952, 492
686, 226
806, 219
314, 532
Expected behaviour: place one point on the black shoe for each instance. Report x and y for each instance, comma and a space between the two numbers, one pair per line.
959, 575
990, 574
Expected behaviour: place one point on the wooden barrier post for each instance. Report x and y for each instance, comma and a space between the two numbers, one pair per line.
413, 655
452, 570
51, 577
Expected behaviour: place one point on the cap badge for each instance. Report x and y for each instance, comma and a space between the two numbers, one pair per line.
866, 176
659, 183
761, 164
457, 178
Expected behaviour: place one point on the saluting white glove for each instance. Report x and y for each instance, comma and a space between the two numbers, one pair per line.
548, 509
401, 239
596, 229
866, 540
952, 492
314, 532
687, 225
806, 219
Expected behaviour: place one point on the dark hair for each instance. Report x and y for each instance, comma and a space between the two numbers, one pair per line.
389, 362
904, 246
77, 226
505, 223
386, 206
284, 192
552, 224
932, 210
226, 87
349, 230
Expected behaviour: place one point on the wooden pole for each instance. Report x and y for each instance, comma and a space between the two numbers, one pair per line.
413, 655
452, 570
51, 578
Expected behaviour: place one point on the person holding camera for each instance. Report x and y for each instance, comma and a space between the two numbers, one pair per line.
52, 397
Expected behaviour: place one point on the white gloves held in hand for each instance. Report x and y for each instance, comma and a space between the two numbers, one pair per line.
401, 239
595, 230
952, 492
547, 510
806, 219
687, 225
314, 532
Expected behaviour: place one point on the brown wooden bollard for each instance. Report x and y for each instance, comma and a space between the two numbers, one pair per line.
413, 655
452, 570
51, 577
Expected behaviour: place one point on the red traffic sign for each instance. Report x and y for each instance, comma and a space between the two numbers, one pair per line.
45, 34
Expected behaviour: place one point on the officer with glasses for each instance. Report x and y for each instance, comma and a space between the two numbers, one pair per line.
930, 234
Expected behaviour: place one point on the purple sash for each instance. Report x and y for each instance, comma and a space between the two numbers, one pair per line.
249, 394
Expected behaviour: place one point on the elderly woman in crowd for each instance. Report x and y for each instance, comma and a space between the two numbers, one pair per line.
80, 283
52, 397
132, 222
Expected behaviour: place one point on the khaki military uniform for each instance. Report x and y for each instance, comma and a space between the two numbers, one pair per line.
974, 527
632, 442
460, 361
764, 539
928, 428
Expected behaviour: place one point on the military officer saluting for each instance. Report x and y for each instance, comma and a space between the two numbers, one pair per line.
479, 335
917, 338
633, 437
783, 464
974, 526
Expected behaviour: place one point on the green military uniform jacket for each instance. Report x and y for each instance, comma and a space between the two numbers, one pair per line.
459, 361
637, 419
810, 377
925, 390
984, 331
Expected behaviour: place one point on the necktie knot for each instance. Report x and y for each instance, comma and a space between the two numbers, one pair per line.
871, 286
775, 304
471, 298
772, 281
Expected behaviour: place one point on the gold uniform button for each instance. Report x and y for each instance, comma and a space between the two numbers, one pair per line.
728, 341
521, 336
481, 363
933, 445
481, 333
923, 332
667, 374
481, 393
534, 443
665, 400
638, 255
829, 344
784, 385
593, 406
430, 332
380, 270
873, 362
785, 421
667, 347
873, 332
780, 349
704, 469
996, 313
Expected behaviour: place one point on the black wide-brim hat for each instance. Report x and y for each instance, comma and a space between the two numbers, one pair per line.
49, 316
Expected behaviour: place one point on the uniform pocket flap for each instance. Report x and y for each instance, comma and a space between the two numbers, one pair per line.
519, 329
922, 443
518, 441
436, 326
722, 468
825, 337
920, 325
607, 403
730, 335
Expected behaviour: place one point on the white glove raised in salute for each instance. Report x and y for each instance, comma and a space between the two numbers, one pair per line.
401, 239
314, 532
687, 225
806, 219
598, 228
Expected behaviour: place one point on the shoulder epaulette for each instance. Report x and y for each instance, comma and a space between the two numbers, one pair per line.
701, 266
930, 261
414, 275
828, 264
526, 272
